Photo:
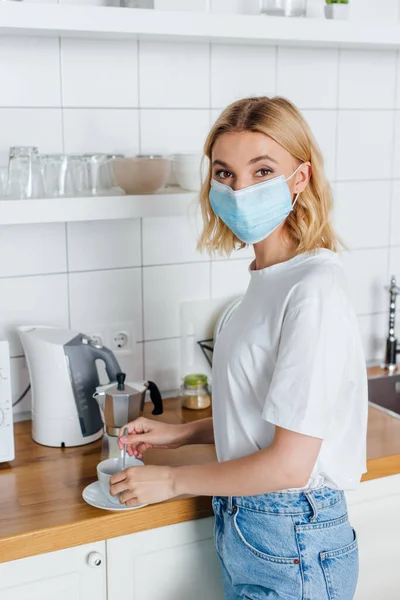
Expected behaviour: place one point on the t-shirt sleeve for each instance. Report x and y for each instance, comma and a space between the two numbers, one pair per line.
311, 361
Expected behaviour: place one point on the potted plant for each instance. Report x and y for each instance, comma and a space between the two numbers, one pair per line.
337, 9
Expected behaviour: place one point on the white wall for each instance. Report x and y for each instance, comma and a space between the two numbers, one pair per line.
120, 96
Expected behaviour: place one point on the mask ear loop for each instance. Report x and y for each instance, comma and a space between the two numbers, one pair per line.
295, 200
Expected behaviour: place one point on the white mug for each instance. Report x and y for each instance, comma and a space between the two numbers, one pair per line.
109, 467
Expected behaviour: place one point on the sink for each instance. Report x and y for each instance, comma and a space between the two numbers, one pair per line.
384, 391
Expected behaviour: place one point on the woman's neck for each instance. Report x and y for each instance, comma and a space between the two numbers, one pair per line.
276, 248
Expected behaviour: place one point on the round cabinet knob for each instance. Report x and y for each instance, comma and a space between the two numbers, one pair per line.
95, 560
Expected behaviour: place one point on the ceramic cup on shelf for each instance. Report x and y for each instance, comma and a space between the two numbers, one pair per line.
190, 170
109, 467
137, 3
283, 8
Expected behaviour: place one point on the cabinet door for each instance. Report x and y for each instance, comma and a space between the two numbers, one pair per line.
374, 511
72, 574
170, 563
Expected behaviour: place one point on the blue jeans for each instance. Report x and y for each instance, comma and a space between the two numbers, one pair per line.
286, 545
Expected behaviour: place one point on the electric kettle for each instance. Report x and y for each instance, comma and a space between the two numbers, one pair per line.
63, 374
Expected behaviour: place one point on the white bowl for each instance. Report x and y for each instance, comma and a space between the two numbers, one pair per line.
142, 174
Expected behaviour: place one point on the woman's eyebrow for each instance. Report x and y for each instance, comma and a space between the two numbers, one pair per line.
263, 157
220, 162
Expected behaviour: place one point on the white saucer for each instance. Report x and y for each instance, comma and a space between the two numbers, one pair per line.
93, 495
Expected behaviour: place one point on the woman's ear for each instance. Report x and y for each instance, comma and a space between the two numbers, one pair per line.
302, 177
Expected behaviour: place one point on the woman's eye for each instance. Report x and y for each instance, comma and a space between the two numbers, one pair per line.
224, 174
263, 172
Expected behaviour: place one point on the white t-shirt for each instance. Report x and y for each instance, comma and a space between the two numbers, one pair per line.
291, 356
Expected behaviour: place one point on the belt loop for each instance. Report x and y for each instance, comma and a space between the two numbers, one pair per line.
230, 505
311, 501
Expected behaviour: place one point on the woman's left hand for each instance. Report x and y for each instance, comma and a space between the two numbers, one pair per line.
143, 485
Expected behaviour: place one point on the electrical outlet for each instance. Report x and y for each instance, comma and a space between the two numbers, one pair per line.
122, 338
97, 339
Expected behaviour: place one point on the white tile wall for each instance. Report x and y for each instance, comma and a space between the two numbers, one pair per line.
129, 97
32, 82
299, 76
367, 79
100, 245
106, 130
101, 298
395, 216
99, 73
170, 240
30, 127
32, 249
365, 145
164, 289
173, 131
162, 361
357, 202
38, 300
241, 71
323, 124
174, 75
367, 276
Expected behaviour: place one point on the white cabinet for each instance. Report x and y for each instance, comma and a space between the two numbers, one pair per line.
374, 510
72, 574
170, 563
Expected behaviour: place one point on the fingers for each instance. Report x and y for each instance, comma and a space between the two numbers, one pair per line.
117, 477
136, 426
128, 496
117, 488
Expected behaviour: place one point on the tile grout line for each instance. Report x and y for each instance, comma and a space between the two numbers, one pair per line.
339, 56
192, 108
61, 93
139, 115
393, 165
167, 265
68, 275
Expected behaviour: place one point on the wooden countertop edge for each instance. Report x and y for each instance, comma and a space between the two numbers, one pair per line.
101, 526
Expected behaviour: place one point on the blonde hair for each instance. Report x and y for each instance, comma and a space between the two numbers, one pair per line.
309, 224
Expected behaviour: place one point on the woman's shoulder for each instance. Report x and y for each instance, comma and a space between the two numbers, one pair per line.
320, 278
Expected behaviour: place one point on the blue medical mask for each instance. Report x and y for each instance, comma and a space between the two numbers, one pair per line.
254, 212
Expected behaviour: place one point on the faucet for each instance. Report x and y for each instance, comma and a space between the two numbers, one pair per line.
391, 343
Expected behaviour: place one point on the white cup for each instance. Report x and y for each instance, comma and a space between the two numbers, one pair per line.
109, 467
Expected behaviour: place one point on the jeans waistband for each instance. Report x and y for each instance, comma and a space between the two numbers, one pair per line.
286, 502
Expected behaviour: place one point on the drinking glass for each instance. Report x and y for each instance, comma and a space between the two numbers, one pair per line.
3, 182
100, 175
25, 179
283, 8
58, 176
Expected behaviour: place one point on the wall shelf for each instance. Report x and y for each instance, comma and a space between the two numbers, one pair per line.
173, 202
20, 18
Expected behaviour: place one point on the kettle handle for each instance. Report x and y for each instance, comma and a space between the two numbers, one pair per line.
156, 398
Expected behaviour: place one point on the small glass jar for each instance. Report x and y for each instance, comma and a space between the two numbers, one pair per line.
283, 8
195, 392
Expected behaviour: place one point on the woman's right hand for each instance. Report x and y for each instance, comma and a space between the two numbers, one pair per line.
146, 433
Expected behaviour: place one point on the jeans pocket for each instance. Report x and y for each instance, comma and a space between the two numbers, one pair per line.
265, 536
340, 569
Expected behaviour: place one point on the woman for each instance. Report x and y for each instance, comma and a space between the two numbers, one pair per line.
289, 376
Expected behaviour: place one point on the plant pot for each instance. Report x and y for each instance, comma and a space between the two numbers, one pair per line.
339, 12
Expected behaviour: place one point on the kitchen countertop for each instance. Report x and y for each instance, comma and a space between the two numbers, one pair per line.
41, 508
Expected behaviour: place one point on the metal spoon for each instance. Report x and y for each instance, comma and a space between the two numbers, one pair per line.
123, 451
